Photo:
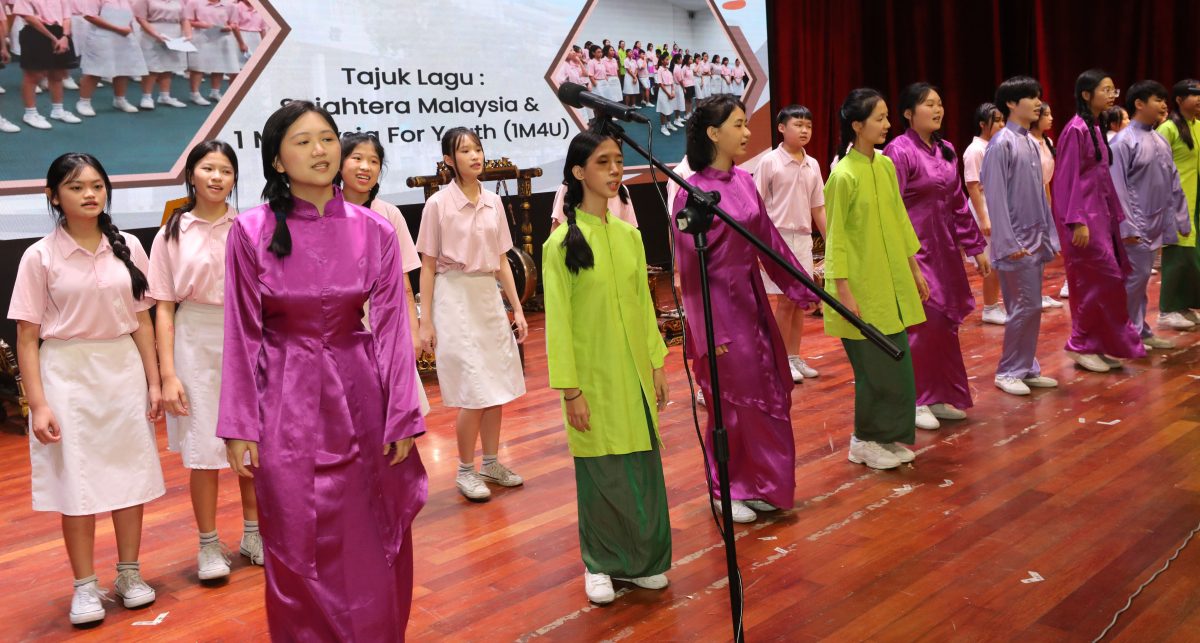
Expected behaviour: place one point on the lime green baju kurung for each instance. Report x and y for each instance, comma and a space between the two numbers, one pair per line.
1181, 261
870, 241
602, 337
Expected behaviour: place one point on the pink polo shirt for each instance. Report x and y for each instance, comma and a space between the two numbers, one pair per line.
678, 73
408, 250
665, 77
597, 70
94, 7
75, 294
572, 73
687, 78
464, 236
192, 267
159, 10
631, 65
51, 12
790, 189
219, 14
616, 207
610, 66
739, 73
248, 19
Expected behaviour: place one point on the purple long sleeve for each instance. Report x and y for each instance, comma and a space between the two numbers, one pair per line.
239, 417
393, 347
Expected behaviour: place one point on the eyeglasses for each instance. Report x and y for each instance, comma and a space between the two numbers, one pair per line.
1111, 91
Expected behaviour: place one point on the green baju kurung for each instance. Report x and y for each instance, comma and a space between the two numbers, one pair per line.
1181, 261
602, 338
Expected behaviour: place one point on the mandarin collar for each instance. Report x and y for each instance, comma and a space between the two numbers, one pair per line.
912, 135
305, 210
592, 219
67, 246
1139, 125
1013, 127
711, 172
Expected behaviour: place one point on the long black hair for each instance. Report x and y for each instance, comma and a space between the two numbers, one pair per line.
578, 253
710, 112
914, 95
450, 141
1181, 90
66, 168
855, 109
278, 191
1088, 81
189, 172
350, 141
984, 115
1049, 142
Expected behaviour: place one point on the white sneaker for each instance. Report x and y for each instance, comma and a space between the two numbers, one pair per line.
807, 371
926, 420
1041, 381
599, 588
132, 589
994, 314
69, 83
501, 475
902, 453
761, 505
66, 117
213, 561
657, 581
147, 102
36, 121
1149, 343
672, 126
1064, 292
1191, 316
797, 376
1012, 386
679, 121
1050, 302
199, 100
87, 604
664, 130
171, 101
741, 512
471, 486
1175, 321
8, 127
85, 108
214, 96
3, 91
1089, 361
252, 547
947, 412
872, 454
123, 105
1112, 362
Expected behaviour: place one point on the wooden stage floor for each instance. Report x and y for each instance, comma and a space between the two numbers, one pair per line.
1092, 486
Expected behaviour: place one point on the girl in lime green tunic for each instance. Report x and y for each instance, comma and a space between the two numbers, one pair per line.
605, 355
870, 258
1181, 261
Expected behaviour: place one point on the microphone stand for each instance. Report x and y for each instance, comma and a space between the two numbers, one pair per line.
695, 219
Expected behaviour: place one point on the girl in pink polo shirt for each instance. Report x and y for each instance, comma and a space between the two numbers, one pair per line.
611, 67
463, 241
681, 103
630, 88
218, 42
687, 80
667, 90
161, 20
251, 26
738, 76
93, 385
187, 278
363, 160
47, 53
112, 51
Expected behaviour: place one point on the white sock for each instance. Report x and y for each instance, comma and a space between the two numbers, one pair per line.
85, 102
31, 111
208, 538
56, 108
466, 467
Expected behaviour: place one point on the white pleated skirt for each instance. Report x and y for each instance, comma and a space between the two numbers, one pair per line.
158, 58
737, 88
199, 338
109, 55
680, 100
614, 88
630, 85
478, 365
217, 52
664, 104
107, 458
252, 39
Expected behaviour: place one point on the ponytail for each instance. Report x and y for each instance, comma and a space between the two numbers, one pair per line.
279, 196
579, 253
940, 143
136, 277
1182, 90
278, 191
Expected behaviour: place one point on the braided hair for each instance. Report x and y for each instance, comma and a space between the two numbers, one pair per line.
855, 109
66, 168
914, 95
578, 253
350, 142
189, 171
1088, 81
278, 190
1181, 91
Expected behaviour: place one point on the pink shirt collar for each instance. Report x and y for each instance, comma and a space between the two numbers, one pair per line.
460, 200
67, 246
188, 219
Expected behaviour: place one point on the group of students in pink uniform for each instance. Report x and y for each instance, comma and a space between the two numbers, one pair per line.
119, 41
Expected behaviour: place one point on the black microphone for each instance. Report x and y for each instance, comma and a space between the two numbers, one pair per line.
578, 96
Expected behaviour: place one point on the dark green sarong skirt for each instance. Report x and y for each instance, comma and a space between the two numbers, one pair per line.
1180, 279
885, 394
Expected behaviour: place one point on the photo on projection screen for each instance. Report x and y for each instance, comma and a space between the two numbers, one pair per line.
406, 73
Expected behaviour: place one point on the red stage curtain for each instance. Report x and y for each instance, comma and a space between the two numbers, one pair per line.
821, 49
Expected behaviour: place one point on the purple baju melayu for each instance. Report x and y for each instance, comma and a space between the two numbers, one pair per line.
1156, 210
756, 383
1021, 221
1084, 194
937, 207
322, 396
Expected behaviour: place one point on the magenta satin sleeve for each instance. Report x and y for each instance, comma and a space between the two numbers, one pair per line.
393, 347
238, 417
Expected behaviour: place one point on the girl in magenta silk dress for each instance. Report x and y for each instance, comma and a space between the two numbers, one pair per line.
927, 173
1088, 213
326, 409
756, 381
